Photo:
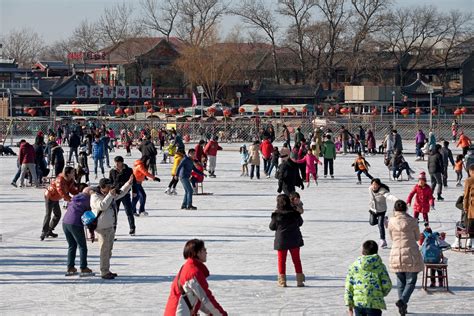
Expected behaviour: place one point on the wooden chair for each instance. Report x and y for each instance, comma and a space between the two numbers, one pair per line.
463, 235
437, 266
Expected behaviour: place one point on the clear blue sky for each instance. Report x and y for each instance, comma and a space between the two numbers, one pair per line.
56, 19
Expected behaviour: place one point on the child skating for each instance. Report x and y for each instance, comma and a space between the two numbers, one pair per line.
171, 190
286, 222
458, 167
311, 160
244, 161
361, 166
424, 198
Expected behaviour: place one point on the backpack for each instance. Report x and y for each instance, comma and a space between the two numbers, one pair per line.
430, 250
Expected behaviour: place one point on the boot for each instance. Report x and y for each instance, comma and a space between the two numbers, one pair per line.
440, 198
86, 272
71, 271
300, 279
282, 280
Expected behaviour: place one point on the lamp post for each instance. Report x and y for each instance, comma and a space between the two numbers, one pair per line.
200, 90
393, 108
238, 95
430, 91
51, 107
10, 103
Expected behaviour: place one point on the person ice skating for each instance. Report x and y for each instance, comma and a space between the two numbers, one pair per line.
186, 166
26, 162
311, 160
171, 190
286, 222
140, 172
296, 202
211, 152
244, 160
397, 141
98, 155
371, 144
405, 257
149, 152
254, 160
329, 155
458, 168
285, 152
74, 143
57, 158
367, 283
119, 175
60, 188
464, 142
82, 166
398, 165
436, 168
361, 166
273, 161
468, 204
419, 143
379, 193
74, 231
285, 134
288, 176
199, 148
447, 155
266, 148
103, 204
195, 177
423, 198
190, 291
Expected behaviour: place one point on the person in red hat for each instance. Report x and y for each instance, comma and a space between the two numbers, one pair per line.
424, 199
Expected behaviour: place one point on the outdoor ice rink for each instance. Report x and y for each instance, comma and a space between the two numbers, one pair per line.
234, 224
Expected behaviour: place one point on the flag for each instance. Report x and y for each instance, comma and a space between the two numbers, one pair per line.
195, 101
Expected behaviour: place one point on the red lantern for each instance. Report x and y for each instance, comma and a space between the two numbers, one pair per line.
375, 111
147, 103
118, 111
78, 112
405, 112
285, 111
46, 103
343, 110
331, 110
269, 112
434, 112
304, 110
74, 102
464, 110
32, 112
172, 111
227, 113
241, 110
26, 109
255, 109
150, 110
349, 110
162, 110
418, 111
390, 109
128, 111
181, 110
458, 112
293, 111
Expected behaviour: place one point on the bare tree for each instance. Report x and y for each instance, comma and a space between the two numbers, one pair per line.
58, 50
299, 12
315, 43
460, 28
24, 45
368, 17
198, 19
336, 17
117, 24
256, 14
411, 34
160, 18
86, 37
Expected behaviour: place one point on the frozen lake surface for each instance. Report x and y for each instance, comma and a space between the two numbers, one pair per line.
234, 224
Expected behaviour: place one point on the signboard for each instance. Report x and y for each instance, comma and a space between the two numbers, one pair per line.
133, 92
95, 91
86, 55
121, 92
147, 92
82, 92
107, 92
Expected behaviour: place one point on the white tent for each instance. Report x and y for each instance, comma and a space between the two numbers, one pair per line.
82, 107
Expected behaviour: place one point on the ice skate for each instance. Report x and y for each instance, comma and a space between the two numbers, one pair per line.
383, 243
173, 192
71, 271
191, 208
51, 234
440, 198
359, 182
143, 214
132, 232
86, 272
168, 191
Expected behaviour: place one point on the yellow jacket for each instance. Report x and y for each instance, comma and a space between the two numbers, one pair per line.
177, 159
171, 149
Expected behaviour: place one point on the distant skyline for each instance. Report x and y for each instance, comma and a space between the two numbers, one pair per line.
56, 19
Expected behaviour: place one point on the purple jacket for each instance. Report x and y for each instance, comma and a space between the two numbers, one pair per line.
420, 138
78, 205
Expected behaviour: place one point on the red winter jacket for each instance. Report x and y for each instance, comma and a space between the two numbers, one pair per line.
193, 280
211, 148
423, 200
27, 153
198, 177
266, 148
199, 152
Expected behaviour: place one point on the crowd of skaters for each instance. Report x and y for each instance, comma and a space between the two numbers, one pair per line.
293, 164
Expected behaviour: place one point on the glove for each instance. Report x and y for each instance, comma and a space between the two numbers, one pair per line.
156, 179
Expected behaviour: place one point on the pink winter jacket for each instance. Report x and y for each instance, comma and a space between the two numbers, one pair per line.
423, 200
310, 162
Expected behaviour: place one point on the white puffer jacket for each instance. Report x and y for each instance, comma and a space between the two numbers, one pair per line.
106, 204
378, 200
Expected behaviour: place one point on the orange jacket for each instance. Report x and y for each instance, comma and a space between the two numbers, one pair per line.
60, 189
464, 141
140, 171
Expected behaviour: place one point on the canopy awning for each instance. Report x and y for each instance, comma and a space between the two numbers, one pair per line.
82, 107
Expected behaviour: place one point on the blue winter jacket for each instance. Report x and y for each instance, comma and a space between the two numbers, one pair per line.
185, 167
98, 149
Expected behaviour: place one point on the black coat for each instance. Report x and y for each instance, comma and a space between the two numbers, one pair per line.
119, 178
74, 140
286, 225
288, 176
435, 163
148, 150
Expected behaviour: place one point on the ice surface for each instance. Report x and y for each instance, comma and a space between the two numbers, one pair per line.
234, 223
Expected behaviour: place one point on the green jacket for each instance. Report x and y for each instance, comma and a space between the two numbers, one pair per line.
367, 283
329, 150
